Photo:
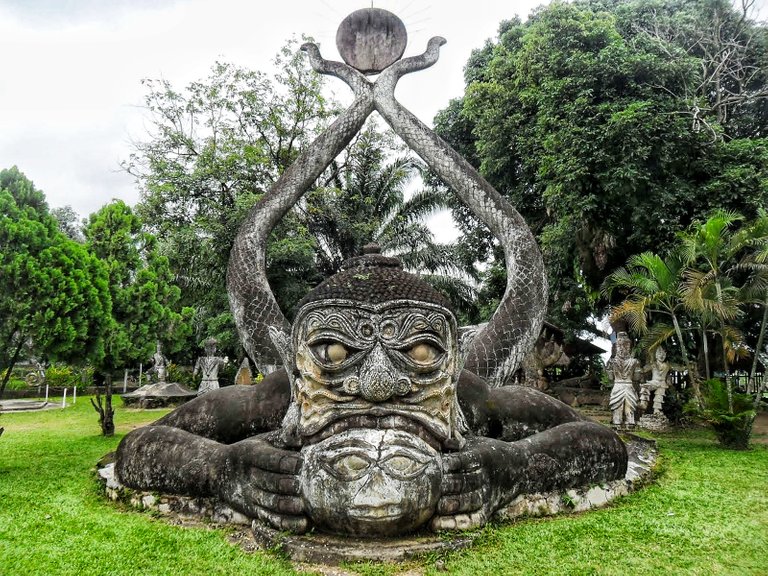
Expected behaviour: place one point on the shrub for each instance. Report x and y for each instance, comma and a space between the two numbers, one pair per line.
181, 375
732, 428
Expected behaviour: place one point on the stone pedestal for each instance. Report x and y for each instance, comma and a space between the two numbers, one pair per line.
654, 422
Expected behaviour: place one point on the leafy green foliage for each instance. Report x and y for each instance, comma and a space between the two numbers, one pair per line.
731, 415
145, 305
53, 293
214, 148
584, 119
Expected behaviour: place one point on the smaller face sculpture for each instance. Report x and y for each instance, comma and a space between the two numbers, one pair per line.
661, 354
372, 482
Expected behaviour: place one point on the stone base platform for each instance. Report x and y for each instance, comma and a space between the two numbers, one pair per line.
158, 395
654, 422
333, 550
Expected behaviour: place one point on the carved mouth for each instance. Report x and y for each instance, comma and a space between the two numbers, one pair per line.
388, 422
375, 513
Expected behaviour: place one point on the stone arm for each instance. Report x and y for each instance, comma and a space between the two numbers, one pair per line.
526, 441
216, 446
197, 367
498, 349
637, 371
254, 476
234, 413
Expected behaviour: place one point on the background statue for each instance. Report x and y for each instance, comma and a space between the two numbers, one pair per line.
623, 370
209, 366
658, 384
373, 427
159, 366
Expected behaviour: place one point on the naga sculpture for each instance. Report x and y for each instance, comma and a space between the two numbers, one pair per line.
386, 416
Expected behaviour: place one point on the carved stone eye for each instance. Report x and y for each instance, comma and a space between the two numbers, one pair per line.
330, 352
350, 467
423, 353
403, 467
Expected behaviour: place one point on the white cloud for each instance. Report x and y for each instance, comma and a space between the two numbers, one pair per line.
71, 95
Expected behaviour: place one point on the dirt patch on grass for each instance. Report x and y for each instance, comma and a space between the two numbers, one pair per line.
760, 429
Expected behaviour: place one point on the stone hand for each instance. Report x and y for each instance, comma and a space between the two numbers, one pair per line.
261, 480
466, 498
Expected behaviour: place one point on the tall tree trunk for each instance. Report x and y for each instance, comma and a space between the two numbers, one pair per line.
751, 385
691, 376
705, 344
728, 383
11, 364
105, 410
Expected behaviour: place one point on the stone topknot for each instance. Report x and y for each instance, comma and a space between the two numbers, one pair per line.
375, 279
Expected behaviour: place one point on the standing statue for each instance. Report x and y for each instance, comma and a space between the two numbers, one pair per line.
386, 417
623, 370
159, 366
658, 384
209, 366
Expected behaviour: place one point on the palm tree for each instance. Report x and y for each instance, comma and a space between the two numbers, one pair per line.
754, 237
653, 287
710, 252
365, 202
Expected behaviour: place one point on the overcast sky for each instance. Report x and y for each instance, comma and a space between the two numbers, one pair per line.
70, 95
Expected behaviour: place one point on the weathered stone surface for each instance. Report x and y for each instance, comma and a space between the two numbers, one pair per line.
655, 422
332, 550
371, 39
158, 395
624, 371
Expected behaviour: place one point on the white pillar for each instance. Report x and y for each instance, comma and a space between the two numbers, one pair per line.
125, 381
46, 393
64, 399
74, 395
140, 368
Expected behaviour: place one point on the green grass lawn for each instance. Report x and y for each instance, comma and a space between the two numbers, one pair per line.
707, 513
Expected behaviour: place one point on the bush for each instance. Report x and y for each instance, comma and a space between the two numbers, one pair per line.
181, 375
61, 376
732, 429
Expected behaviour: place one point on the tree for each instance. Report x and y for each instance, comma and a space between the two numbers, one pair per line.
584, 123
217, 146
144, 299
213, 150
53, 294
365, 202
755, 262
69, 223
652, 286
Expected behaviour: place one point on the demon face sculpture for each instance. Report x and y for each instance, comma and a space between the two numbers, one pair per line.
380, 423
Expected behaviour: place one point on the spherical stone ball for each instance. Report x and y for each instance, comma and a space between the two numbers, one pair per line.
371, 39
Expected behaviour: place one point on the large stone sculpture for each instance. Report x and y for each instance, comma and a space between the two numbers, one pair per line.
623, 370
382, 420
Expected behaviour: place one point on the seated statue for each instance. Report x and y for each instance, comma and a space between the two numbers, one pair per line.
658, 384
386, 417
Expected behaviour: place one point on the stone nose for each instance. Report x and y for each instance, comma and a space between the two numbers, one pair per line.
379, 379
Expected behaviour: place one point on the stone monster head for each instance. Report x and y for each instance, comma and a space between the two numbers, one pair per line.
376, 347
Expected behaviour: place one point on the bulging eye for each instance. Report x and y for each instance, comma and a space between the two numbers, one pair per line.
423, 353
403, 467
332, 353
349, 467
